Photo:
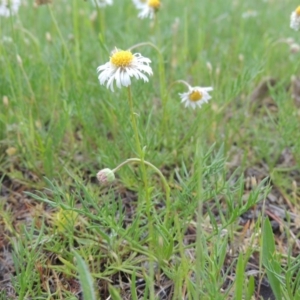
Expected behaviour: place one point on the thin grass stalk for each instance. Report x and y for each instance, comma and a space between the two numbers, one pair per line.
147, 195
200, 259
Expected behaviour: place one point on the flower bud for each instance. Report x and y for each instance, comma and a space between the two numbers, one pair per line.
106, 176
294, 48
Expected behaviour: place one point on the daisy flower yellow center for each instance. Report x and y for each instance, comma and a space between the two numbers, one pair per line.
121, 58
154, 4
195, 96
298, 11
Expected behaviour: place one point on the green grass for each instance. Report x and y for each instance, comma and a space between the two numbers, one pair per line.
228, 165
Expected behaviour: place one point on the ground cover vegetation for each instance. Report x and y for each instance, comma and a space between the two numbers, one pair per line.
194, 200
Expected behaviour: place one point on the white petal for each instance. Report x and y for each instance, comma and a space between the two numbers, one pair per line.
110, 83
118, 78
126, 79
144, 77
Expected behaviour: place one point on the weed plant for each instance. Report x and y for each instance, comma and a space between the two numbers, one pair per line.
187, 216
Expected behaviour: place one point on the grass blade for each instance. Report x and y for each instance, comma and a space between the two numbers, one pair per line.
85, 278
239, 282
272, 266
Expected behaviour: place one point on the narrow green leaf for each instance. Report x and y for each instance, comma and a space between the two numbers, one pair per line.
251, 288
272, 266
239, 279
133, 286
102, 43
85, 278
114, 293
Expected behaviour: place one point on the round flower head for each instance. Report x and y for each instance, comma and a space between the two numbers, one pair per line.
147, 8
196, 96
122, 66
9, 8
102, 3
295, 19
106, 176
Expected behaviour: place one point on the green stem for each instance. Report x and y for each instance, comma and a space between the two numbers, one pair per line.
165, 100
170, 87
153, 25
32, 99
134, 124
77, 36
102, 22
162, 76
160, 174
148, 200
67, 52
200, 263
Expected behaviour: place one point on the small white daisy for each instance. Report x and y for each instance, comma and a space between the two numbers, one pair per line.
9, 7
196, 96
295, 19
102, 3
121, 67
147, 8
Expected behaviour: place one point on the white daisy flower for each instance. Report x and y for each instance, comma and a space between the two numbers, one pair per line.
102, 3
147, 8
295, 19
9, 7
196, 96
121, 67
